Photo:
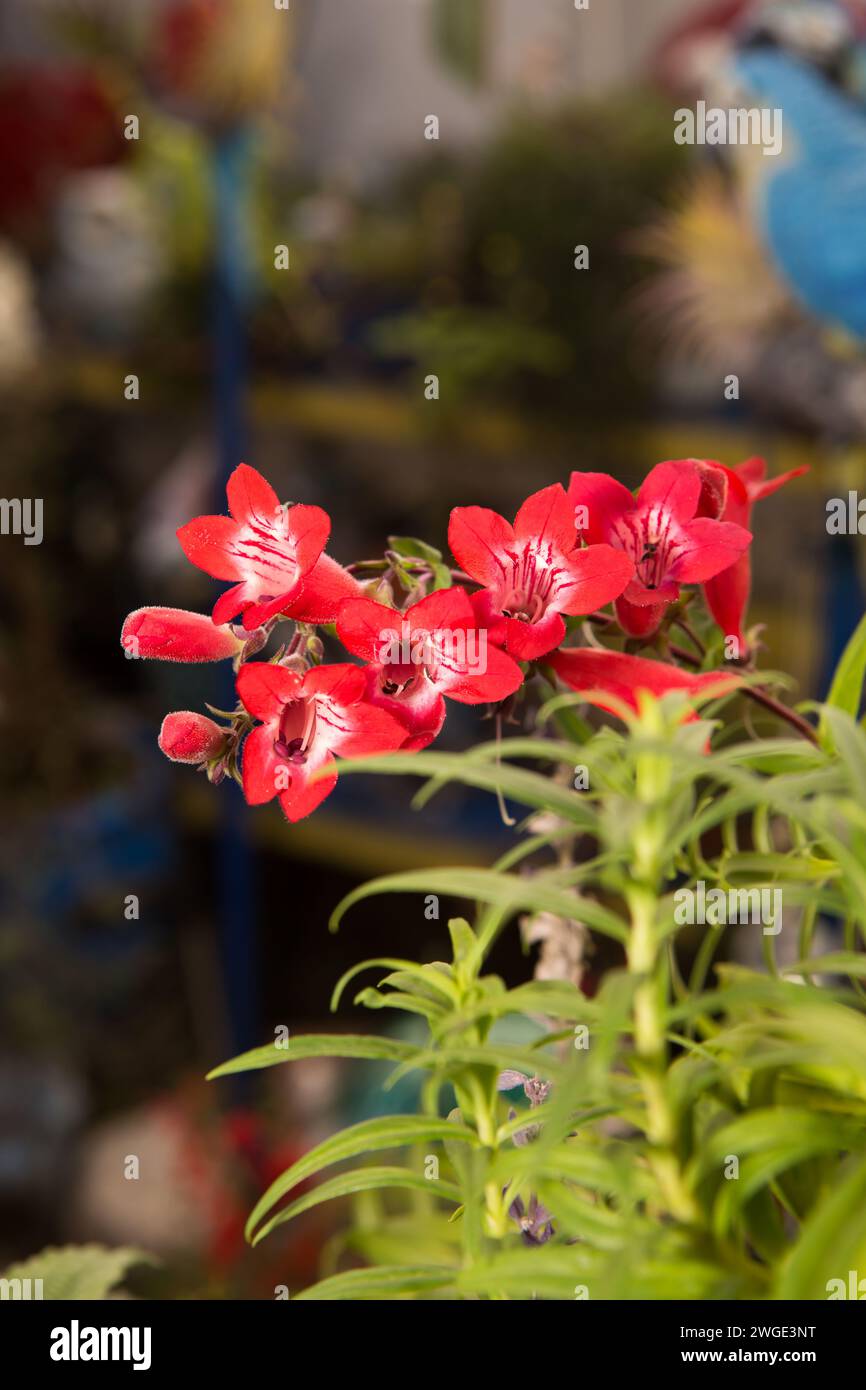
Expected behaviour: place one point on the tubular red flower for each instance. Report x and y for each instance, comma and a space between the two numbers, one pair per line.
535, 571
435, 648
306, 720
662, 532
187, 737
173, 634
272, 552
595, 674
729, 494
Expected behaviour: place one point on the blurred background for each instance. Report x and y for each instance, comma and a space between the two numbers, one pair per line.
231, 229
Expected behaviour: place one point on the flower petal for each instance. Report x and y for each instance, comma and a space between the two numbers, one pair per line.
640, 619
712, 546
264, 689
251, 497
758, 489
361, 623
260, 766
420, 710
307, 529
597, 575
672, 488
594, 673
479, 539
606, 501
235, 600
547, 517
341, 682
498, 676
322, 591
727, 596
208, 542
302, 796
365, 728
527, 641
444, 609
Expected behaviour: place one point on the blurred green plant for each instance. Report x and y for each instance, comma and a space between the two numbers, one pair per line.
687, 1137
64, 1272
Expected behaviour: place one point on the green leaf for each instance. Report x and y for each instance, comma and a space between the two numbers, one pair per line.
317, 1045
526, 788
509, 892
361, 1180
435, 977
836, 963
846, 689
411, 548
383, 1281
384, 1132
78, 1271
832, 1241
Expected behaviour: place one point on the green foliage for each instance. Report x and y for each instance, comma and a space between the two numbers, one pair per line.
77, 1271
703, 1132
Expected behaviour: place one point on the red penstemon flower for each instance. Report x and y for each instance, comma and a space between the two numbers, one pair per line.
661, 531
729, 494
535, 571
306, 720
173, 634
272, 552
434, 648
596, 674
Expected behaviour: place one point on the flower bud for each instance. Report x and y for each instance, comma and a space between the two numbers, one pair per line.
380, 591
173, 634
187, 737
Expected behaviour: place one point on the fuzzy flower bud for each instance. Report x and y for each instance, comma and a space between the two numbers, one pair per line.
173, 634
187, 737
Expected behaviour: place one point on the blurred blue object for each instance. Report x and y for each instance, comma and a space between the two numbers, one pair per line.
812, 198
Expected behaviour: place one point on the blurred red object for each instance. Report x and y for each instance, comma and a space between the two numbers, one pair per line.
52, 122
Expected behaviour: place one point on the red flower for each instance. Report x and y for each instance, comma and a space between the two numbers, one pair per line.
187, 737
274, 551
661, 532
534, 571
729, 493
305, 721
435, 648
173, 634
595, 674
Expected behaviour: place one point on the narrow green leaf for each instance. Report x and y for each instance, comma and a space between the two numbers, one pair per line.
832, 1241
369, 1136
317, 1045
383, 1281
361, 1180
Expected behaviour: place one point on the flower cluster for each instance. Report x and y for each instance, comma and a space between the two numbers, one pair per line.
423, 633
